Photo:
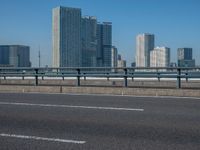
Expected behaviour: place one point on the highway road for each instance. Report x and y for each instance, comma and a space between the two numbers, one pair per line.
94, 122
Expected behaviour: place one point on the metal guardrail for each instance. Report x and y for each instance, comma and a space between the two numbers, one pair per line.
99, 72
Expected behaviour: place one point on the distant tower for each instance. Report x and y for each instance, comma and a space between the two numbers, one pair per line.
185, 57
144, 44
120, 62
160, 57
39, 57
15, 55
66, 37
89, 41
104, 44
114, 57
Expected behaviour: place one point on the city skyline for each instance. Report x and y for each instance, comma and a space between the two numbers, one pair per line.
80, 41
172, 25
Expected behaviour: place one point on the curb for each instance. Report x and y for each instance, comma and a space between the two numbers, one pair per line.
101, 90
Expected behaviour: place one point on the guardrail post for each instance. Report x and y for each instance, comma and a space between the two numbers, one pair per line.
178, 84
23, 76
108, 77
84, 76
133, 75
78, 77
36, 77
63, 77
186, 78
158, 73
125, 78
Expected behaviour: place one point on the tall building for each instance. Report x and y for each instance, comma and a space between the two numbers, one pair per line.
160, 57
4, 55
120, 63
185, 57
15, 55
144, 44
104, 44
88, 41
185, 53
119, 57
114, 57
66, 37
133, 64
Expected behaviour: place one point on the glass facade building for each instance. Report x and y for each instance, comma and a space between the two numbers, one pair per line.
80, 41
15, 55
185, 57
89, 41
66, 37
104, 44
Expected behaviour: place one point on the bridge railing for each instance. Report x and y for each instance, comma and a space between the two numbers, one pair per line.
103, 72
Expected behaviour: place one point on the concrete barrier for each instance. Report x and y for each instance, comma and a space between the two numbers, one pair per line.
104, 82
101, 90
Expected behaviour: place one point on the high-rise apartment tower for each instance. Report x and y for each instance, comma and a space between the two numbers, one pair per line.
160, 57
185, 57
104, 44
144, 44
89, 41
66, 37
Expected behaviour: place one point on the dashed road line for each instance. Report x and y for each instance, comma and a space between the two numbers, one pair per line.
42, 138
72, 106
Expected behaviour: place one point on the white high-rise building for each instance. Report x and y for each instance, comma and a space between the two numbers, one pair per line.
144, 44
121, 63
160, 57
66, 37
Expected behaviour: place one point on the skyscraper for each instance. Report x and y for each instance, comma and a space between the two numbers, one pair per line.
185, 53
185, 57
4, 55
114, 57
89, 41
120, 63
66, 37
160, 57
104, 44
144, 44
15, 55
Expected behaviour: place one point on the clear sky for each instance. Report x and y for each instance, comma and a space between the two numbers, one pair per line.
175, 23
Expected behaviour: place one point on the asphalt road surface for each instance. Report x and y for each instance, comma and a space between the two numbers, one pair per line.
93, 122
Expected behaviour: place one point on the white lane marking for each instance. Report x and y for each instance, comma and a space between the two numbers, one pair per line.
71, 106
42, 138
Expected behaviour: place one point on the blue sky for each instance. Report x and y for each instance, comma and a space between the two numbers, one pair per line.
175, 23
